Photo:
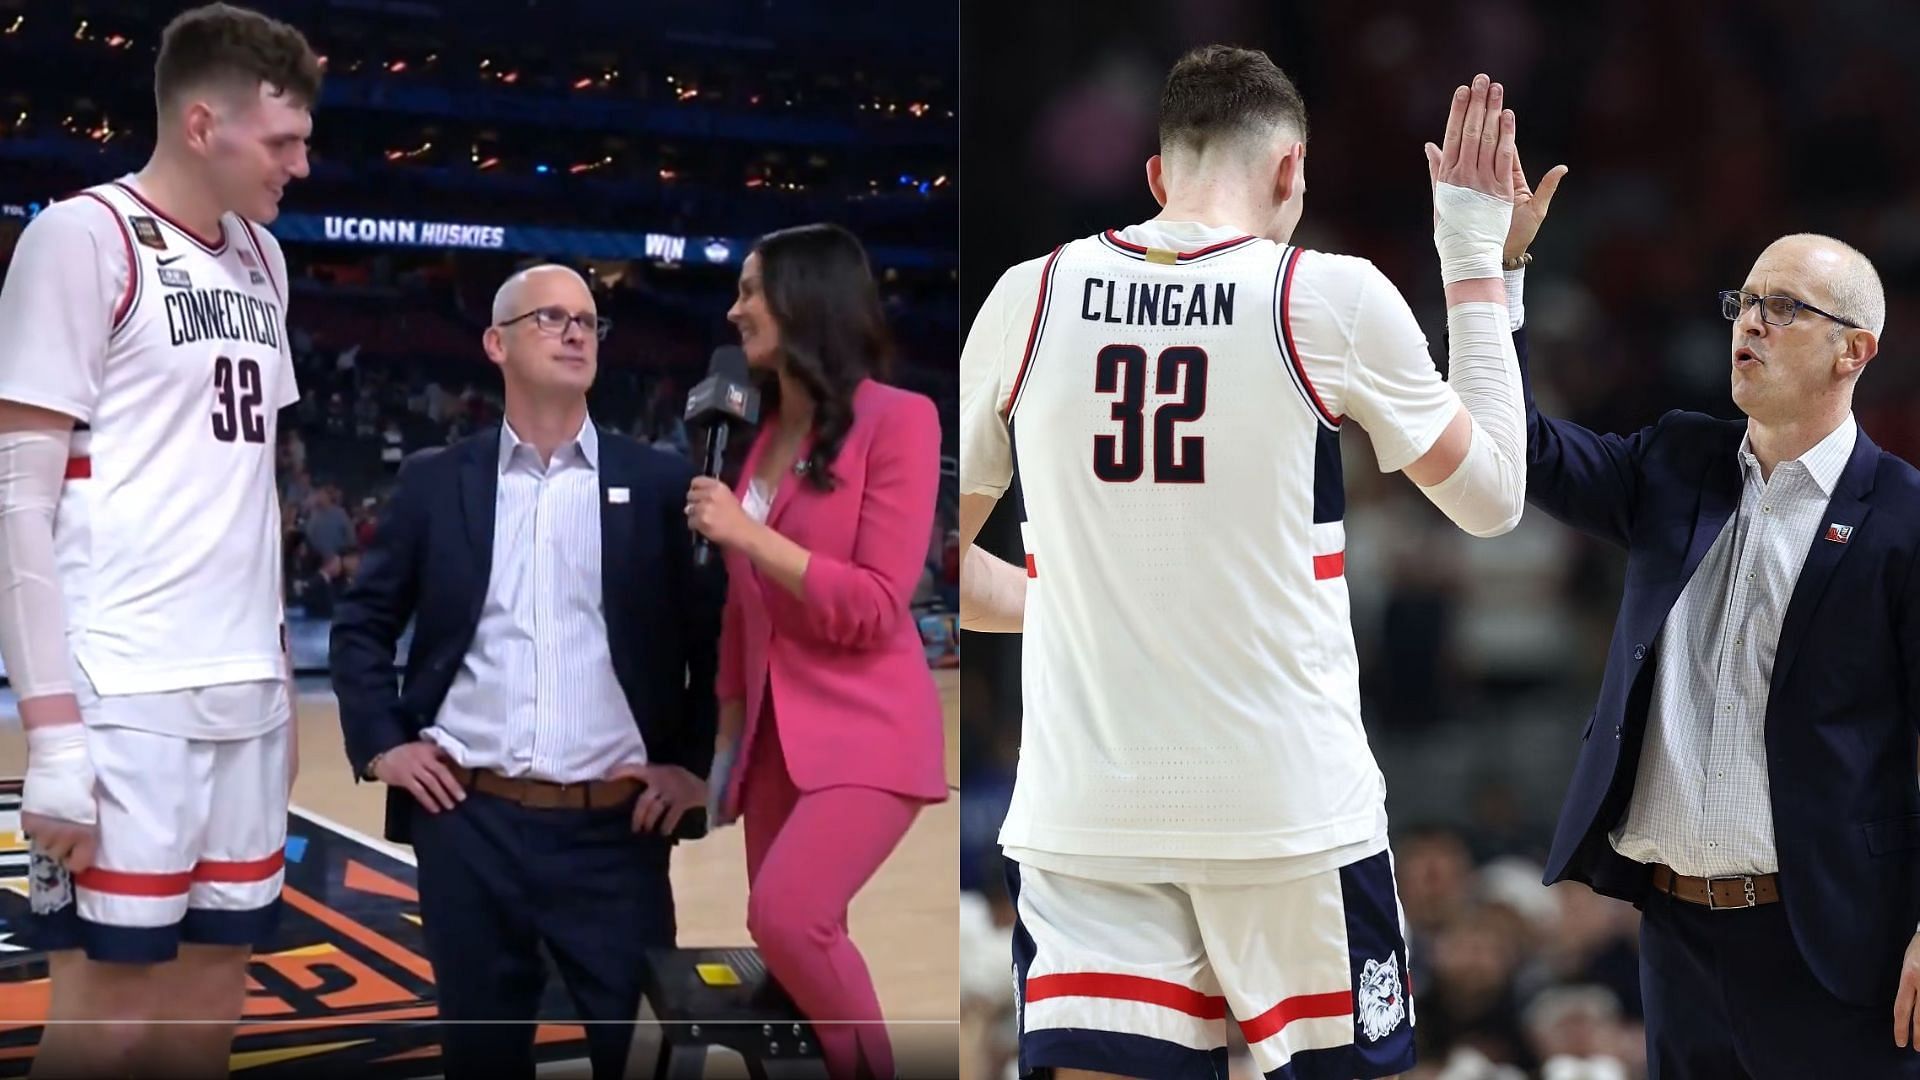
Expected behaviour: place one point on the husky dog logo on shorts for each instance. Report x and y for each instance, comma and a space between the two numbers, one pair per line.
1380, 1005
50, 886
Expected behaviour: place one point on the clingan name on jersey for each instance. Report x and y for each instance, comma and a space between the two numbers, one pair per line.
1154, 303
222, 315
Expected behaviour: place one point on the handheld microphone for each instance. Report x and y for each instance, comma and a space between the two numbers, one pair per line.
724, 398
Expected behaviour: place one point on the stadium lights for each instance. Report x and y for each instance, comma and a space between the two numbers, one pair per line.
669, 175
397, 66
582, 83
14, 28
542, 169
754, 100
488, 164
918, 108
485, 64
80, 34
510, 77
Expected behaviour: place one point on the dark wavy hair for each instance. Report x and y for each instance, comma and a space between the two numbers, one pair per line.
833, 332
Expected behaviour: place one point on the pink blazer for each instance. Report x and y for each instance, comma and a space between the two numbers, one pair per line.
854, 697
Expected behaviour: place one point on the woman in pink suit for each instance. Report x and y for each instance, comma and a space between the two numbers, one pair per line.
826, 701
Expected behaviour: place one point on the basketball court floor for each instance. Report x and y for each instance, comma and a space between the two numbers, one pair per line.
347, 988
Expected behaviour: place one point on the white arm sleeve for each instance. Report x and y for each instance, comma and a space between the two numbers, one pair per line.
1392, 388
1487, 492
33, 619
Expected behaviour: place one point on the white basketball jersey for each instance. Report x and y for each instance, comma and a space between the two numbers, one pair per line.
168, 529
1190, 682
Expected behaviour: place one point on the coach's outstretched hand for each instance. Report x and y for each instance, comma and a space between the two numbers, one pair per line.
1529, 206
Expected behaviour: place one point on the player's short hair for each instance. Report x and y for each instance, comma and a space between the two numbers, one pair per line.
223, 44
1219, 91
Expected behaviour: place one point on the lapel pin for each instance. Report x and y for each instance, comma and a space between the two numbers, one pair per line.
617, 495
1839, 533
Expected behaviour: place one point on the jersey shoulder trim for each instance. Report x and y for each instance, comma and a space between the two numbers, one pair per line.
211, 247
1283, 275
1140, 253
1034, 332
131, 294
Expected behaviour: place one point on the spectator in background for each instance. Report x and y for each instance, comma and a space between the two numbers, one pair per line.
298, 490
328, 531
393, 446
316, 592
365, 522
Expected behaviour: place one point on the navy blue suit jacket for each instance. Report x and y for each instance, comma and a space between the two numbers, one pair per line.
430, 560
1843, 705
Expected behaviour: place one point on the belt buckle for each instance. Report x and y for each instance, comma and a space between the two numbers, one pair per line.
1746, 882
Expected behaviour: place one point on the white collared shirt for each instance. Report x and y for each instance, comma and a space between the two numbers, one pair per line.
1701, 798
536, 695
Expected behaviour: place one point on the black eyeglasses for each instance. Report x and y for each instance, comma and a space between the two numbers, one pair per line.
553, 321
1774, 310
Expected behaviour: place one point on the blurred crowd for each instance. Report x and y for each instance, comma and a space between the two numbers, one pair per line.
1696, 133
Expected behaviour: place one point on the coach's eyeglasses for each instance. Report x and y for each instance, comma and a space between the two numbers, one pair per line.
553, 322
1774, 310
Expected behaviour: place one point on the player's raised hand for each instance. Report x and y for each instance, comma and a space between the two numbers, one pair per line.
1472, 176
1476, 151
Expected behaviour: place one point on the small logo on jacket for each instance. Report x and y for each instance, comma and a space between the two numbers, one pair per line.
1380, 1003
175, 279
1839, 533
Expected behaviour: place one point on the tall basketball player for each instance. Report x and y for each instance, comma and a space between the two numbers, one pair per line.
143, 361
1198, 823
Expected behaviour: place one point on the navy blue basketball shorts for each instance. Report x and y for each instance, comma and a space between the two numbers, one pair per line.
1139, 979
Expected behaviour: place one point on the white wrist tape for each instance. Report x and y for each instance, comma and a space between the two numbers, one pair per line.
1470, 230
59, 781
33, 618
1486, 494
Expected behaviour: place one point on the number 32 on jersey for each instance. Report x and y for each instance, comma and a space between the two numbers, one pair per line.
1180, 389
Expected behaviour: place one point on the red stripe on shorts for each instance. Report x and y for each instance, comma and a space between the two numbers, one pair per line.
130, 883
239, 873
1127, 988
79, 468
1329, 566
1303, 1007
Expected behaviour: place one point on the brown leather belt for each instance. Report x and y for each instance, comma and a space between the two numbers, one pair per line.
545, 794
1718, 893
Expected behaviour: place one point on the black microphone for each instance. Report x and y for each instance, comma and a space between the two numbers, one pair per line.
724, 398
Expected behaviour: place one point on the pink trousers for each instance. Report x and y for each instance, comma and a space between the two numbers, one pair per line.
808, 853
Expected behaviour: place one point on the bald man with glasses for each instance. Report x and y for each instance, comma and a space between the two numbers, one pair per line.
555, 723
1748, 777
